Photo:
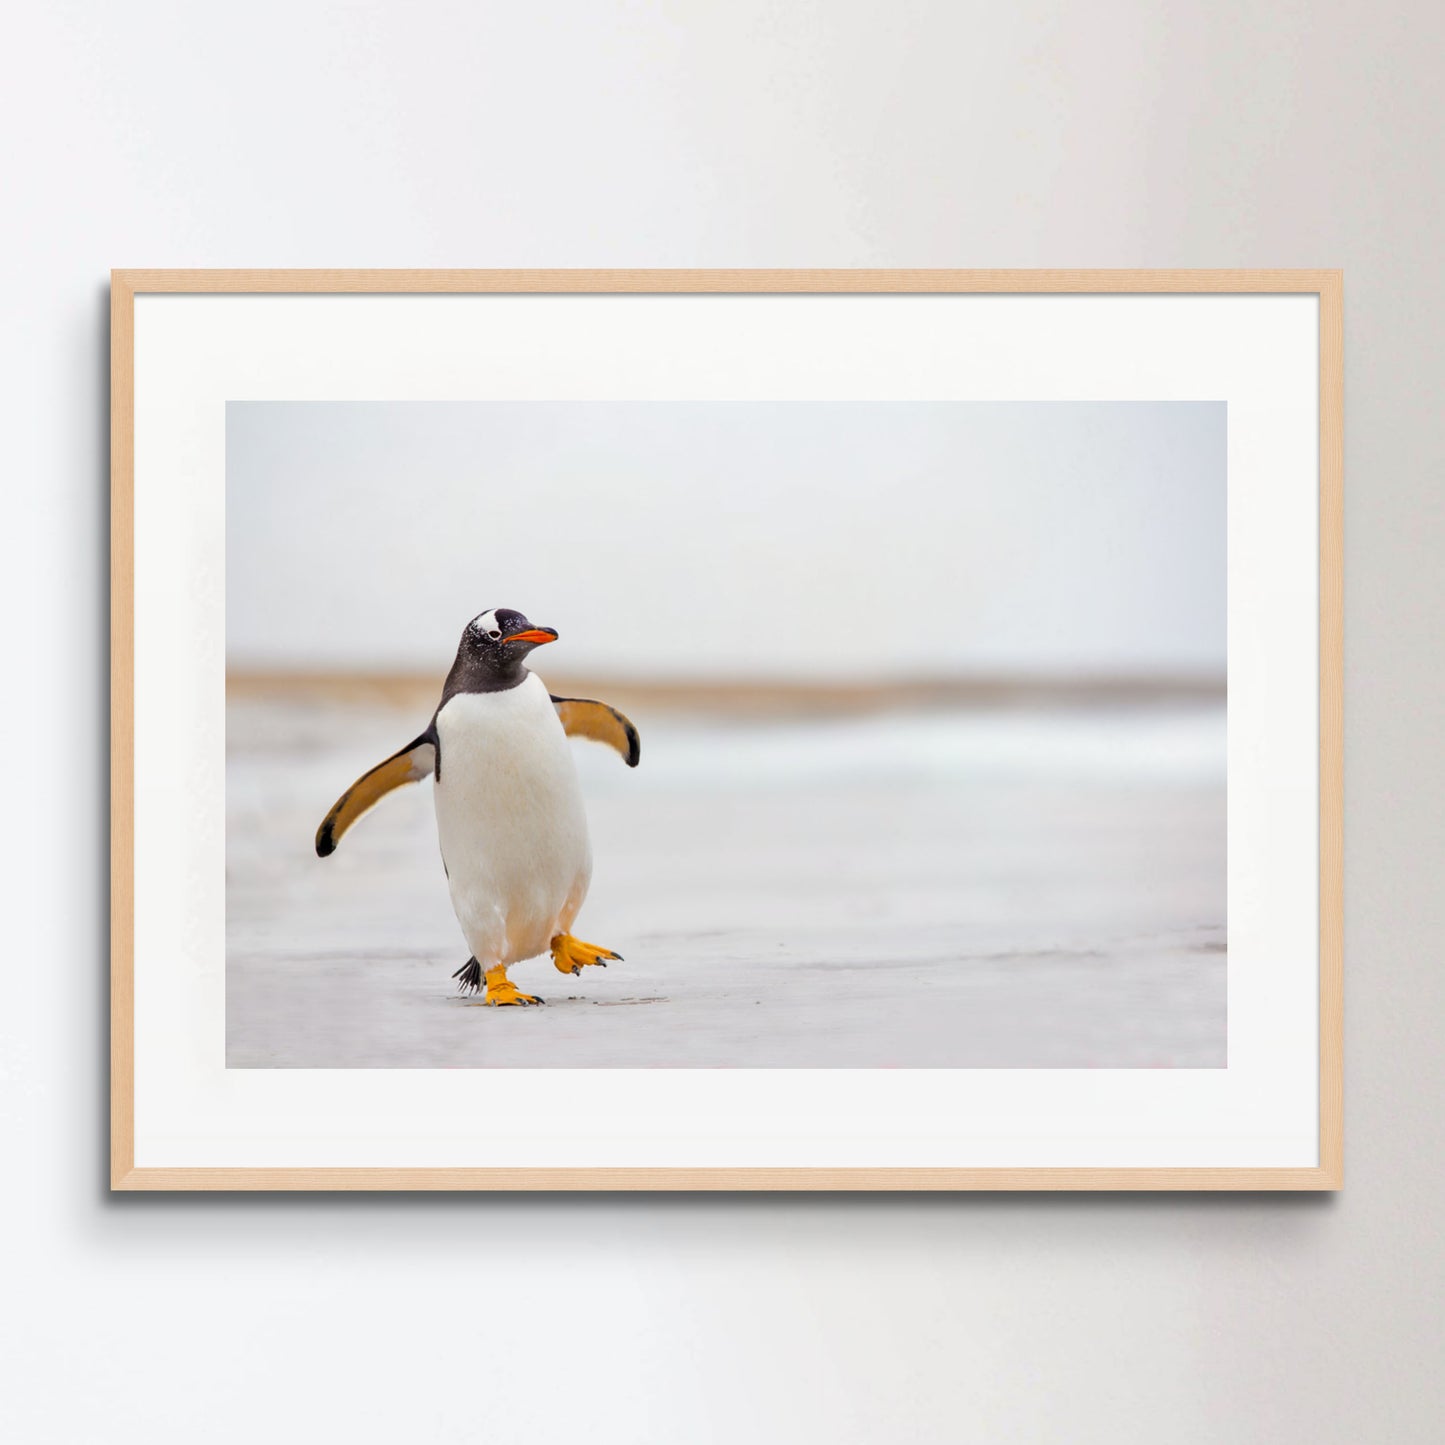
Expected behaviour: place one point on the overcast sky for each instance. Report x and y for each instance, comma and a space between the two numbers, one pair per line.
733, 539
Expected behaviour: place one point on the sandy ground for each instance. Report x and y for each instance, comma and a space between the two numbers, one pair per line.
993, 889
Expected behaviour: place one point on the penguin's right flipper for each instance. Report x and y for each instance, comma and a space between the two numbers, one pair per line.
410, 765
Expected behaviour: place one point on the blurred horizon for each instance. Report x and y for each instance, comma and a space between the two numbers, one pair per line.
751, 697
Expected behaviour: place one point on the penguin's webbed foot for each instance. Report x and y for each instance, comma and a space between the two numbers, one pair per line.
571, 955
501, 990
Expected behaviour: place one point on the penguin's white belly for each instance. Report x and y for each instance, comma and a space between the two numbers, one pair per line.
510, 821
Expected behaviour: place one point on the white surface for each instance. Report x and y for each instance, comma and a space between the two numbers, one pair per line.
735, 539
554, 134
1009, 889
1258, 354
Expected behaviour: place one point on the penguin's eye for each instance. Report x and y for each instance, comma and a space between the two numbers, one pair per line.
494, 633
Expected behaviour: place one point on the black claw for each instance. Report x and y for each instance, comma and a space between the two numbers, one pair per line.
601, 964
576, 970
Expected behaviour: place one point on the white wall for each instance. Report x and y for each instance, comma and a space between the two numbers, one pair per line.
1042, 133
734, 539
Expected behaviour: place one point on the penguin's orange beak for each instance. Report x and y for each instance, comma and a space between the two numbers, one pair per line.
537, 635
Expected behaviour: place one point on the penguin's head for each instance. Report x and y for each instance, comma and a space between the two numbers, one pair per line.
501, 638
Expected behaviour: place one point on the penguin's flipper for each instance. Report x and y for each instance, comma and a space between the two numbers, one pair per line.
410, 765
582, 718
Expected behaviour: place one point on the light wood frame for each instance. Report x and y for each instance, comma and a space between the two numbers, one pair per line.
1326, 285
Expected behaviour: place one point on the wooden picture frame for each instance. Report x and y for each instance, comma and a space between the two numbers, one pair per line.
129, 285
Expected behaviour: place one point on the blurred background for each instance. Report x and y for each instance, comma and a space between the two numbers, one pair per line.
788, 541
932, 706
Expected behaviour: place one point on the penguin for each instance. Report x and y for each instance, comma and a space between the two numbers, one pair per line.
510, 821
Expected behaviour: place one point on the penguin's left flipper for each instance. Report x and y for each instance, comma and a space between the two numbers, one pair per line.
410, 765
583, 718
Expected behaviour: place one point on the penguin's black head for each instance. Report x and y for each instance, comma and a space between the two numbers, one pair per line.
501, 638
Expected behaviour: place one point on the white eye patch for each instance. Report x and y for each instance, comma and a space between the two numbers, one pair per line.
487, 623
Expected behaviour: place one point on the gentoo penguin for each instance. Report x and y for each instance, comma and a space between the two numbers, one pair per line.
509, 811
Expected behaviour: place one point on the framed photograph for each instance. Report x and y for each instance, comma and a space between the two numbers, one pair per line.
734, 730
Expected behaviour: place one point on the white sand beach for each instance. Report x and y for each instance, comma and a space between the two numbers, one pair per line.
990, 888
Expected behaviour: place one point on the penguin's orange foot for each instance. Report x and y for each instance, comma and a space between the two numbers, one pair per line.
501, 990
571, 955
